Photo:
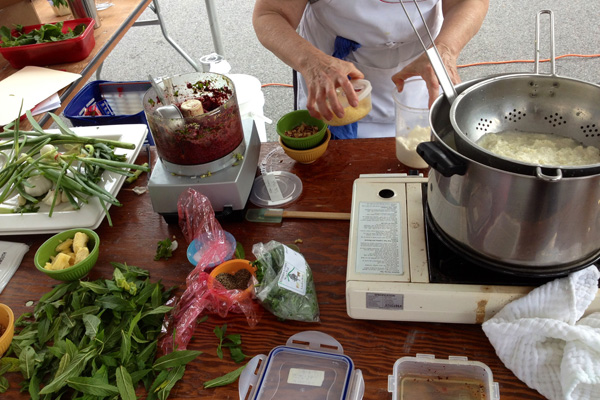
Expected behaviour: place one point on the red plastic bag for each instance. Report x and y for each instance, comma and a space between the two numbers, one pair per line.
203, 293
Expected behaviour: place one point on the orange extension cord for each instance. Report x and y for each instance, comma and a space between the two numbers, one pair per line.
481, 63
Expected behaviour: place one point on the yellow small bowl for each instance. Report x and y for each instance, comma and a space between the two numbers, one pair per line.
7, 320
307, 156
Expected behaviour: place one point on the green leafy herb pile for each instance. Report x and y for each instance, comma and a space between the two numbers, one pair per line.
98, 340
281, 302
46, 33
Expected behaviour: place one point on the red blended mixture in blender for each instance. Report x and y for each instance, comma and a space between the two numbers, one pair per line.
202, 138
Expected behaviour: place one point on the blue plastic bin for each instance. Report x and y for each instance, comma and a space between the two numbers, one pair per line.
114, 102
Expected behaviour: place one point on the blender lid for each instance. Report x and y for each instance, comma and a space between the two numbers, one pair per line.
289, 184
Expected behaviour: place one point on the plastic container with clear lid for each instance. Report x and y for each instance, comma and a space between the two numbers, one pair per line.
425, 377
310, 366
362, 87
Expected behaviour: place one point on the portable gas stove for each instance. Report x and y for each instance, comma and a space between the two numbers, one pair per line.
226, 182
400, 269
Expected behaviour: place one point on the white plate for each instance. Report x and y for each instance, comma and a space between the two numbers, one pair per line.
90, 215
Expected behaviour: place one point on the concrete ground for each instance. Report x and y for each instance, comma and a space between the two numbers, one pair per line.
507, 34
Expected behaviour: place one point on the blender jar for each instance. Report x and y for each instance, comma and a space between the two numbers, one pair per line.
199, 139
412, 122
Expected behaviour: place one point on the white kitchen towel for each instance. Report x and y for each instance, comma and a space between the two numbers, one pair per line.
543, 339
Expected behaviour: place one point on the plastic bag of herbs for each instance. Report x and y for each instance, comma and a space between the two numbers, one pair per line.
285, 283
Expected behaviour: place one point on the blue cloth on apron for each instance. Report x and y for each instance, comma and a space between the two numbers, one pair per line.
342, 48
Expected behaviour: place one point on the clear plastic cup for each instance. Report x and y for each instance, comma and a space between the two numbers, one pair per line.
412, 122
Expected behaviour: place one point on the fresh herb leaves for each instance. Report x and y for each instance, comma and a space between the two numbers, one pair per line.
164, 249
98, 340
46, 33
232, 342
226, 379
281, 302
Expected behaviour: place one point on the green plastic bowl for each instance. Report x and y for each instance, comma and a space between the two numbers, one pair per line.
295, 118
77, 271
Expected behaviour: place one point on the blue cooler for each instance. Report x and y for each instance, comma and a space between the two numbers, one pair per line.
109, 103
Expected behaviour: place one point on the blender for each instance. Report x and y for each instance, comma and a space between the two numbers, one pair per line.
212, 151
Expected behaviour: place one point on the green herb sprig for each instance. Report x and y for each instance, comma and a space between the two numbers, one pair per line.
98, 340
226, 379
233, 342
164, 249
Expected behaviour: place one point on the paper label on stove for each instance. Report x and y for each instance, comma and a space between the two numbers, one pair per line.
308, 377
385, 301
379, 243
293, 273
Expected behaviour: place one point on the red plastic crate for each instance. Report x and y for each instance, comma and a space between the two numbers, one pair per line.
64, 51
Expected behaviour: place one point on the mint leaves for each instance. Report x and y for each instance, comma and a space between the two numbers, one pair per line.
46, 33
98, 340
232, 342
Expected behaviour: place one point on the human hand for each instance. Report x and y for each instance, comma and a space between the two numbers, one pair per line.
323, 75
422, 67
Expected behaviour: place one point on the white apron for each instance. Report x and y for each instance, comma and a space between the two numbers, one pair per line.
388, 43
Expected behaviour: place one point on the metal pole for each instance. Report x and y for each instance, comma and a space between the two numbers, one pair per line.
214, 27
156, 10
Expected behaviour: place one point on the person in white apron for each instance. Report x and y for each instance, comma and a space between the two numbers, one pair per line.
303, 35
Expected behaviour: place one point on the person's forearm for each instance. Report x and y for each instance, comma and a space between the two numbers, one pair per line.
275, 23
462, 20
276, 31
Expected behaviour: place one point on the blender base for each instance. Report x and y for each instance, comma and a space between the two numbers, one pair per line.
228, 189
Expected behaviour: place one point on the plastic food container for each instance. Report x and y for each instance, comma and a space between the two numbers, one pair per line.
425, 377
412, 122
196, 249
352, 114
64, 51
108, 103
301, 370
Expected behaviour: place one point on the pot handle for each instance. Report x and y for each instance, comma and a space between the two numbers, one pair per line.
537, 42
548, 178
441, 159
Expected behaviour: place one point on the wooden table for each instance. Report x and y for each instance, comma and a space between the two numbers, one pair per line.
374, 346
116, 21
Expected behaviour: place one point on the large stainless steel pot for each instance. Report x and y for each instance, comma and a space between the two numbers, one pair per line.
520, 223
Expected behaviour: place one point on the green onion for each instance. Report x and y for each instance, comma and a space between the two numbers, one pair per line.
75, 172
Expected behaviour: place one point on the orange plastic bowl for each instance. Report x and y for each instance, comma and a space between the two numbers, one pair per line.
7, 320
231, 267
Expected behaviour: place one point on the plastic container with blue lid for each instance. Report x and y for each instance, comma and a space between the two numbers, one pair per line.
310, 366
